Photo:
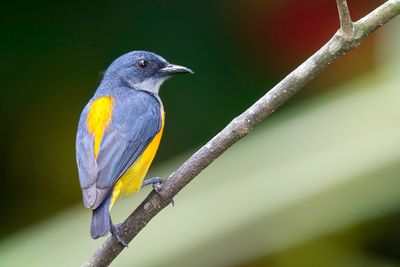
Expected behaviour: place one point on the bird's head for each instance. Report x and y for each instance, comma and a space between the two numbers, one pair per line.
142, 70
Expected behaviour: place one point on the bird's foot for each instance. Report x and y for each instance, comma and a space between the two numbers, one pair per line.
156, 182
116, 233
153, 181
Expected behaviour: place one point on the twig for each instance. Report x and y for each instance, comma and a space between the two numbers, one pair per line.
346, 25
244, 123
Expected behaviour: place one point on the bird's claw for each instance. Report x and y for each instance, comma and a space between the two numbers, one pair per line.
157, 186
152, 181
116, 233
157, 182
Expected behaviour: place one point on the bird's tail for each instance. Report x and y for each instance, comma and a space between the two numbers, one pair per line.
101, 221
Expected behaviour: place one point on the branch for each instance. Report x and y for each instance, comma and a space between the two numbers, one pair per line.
346, 25
245, 122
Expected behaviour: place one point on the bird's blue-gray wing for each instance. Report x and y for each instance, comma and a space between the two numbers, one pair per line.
136, 120
87, 166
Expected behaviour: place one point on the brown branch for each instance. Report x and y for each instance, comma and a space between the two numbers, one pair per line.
346, 25
242, 125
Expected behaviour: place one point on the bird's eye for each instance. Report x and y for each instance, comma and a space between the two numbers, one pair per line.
143, 64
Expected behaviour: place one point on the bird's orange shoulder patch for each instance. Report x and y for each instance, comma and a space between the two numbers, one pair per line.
99, 119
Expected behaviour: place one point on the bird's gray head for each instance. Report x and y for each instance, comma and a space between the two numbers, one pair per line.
142, 70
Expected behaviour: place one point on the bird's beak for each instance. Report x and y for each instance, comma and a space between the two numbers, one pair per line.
172, 69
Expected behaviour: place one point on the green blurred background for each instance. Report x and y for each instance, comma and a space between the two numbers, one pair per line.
318, 184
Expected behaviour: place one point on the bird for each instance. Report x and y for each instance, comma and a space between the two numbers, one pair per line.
118, 134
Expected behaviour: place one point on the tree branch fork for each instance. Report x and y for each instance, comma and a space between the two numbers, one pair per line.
348, 37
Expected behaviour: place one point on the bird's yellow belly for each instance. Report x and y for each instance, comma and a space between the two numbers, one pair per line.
131, 181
